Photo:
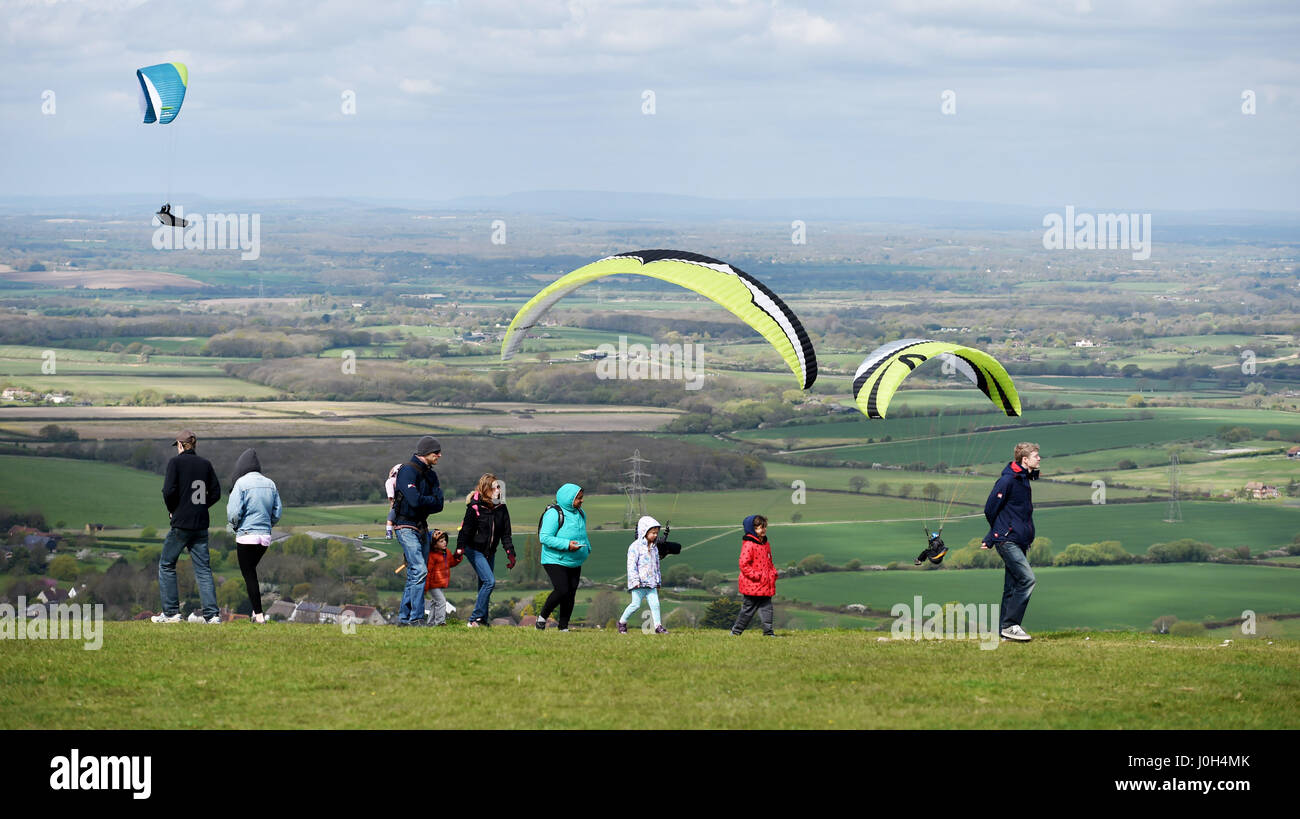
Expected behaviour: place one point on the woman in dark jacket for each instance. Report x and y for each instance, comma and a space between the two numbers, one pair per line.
485, 526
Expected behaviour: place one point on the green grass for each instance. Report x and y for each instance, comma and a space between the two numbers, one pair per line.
1099, 597
81, 492
287, 676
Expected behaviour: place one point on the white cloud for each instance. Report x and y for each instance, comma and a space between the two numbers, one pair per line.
411, 86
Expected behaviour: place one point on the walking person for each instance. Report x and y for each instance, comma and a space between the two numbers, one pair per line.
252, 509
485, 526
757, 581
1010, 513
417, 496
643, 576
439, 577
563, 533
190, 488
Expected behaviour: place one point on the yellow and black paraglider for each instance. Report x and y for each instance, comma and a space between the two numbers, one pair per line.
879, 376
882, 373
745, 296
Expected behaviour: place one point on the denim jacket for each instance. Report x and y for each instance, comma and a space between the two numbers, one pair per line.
254, 505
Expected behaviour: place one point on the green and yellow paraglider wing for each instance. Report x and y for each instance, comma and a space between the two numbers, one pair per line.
880, 375
746, 297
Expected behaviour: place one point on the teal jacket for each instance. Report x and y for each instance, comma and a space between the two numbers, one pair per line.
555, 538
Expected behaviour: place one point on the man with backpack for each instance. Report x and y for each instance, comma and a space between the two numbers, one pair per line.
417, 495
190, 488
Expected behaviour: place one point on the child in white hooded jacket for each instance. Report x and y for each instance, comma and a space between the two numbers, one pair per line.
643, 577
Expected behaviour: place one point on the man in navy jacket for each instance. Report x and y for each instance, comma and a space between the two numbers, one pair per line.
189, 490
416, 495
1010, 513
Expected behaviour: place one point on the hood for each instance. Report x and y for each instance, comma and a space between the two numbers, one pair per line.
1015, 470
246, 463
749, 526
645, 524
565, 495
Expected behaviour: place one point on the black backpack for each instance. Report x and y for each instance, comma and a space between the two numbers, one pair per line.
558, 511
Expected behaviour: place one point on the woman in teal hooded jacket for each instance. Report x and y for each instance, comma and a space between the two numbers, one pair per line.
563, 533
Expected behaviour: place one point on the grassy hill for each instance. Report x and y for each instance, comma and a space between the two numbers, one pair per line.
286, 676
1101, 597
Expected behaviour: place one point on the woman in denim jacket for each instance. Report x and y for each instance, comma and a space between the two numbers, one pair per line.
252, 509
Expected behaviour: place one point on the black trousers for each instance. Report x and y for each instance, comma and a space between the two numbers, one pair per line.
565, 580
762, 605
250, 554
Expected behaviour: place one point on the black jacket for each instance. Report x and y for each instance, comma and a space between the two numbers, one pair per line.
1010, 508
191, 486
416, 494
483, 528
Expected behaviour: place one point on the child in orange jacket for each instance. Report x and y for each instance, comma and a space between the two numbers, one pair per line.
440, 565
757, 577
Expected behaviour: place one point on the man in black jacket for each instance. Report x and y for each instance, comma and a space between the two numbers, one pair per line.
1010, 513
416, 495
190, 488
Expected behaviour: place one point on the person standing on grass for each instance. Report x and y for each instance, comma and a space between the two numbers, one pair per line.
252, 509
643, 577
189, 490
1010, 513
563, 534
757, 581
485, 526
417, 496
439, 577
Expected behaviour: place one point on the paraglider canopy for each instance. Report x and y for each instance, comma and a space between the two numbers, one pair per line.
745, 296
162, 91
879, 376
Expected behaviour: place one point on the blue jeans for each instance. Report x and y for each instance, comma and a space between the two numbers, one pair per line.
415, 548
1017, 584
196, 540
639, 596
487, 581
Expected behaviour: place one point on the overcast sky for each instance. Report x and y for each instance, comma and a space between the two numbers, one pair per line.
1116, 105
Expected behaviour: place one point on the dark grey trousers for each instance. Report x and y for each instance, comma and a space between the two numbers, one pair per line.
762, 605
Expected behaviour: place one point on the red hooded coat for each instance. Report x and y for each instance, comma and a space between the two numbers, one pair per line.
757, 572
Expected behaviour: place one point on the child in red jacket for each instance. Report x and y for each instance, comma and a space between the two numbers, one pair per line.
757, 577
439, 577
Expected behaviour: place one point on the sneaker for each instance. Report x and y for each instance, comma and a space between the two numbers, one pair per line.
660, 630
769, 634
214, 620
474, 624
166, 618
540, 625
565, 629
1015, 633
195, 617
259, 618
622, 627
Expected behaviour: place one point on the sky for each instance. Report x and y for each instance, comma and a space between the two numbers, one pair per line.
1116, 106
